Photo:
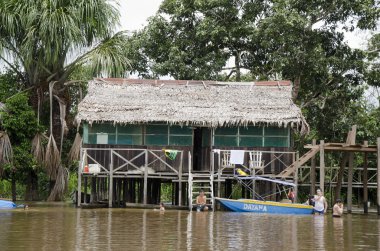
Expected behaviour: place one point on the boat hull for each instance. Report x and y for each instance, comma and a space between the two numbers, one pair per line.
6, 204
268, 207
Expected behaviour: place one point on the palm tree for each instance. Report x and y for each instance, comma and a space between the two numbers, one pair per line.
44, 42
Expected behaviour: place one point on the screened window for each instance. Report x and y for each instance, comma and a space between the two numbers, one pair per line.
180, 136
252, 136
129, 135
96, 133
156, 135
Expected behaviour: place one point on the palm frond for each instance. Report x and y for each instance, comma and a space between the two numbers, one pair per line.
60, 186
38, 149
52, 158
6, 152
75, 148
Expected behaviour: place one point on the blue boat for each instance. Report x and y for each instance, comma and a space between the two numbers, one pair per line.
268, 207
6, 204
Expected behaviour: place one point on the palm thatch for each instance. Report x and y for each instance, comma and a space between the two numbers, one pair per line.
199, 103
6, 152
60, 185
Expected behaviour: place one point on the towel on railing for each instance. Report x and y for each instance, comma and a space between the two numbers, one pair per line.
237, 157
170, 154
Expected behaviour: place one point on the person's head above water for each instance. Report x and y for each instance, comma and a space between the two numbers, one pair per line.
319, 191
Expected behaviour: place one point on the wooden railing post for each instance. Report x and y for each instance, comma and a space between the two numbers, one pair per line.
145, 191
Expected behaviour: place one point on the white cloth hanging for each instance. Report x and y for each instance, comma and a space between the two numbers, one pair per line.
237, 157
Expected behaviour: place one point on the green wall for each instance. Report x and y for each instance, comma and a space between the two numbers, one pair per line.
161, 134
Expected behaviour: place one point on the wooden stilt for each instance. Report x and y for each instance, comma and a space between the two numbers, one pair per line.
349, 184
180, 181
85, 190
93, 190
322, 165
296, 179
365, 182
378, 176
146, 178
79, 188
343, 165
110, 184
273, 172
313, 171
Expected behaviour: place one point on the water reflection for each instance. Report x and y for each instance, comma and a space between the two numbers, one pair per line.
67, 228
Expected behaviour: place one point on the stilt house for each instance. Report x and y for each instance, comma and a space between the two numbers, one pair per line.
138, 134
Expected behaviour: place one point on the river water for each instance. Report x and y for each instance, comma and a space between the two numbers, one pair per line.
63, 227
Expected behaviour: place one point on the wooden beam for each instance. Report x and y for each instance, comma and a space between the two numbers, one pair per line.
349, 183
329, 147
378, 176
322, 165
365, 184
312, 171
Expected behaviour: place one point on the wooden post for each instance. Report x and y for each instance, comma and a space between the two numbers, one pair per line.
365, 181
79, 189
180, 181
110, 184
378, 176
313, 171
145, 196
273, 172
349, 184
296, 178
85, 190
322, 165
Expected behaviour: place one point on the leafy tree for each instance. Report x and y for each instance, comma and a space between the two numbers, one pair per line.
19, 121
288, 39
50, 39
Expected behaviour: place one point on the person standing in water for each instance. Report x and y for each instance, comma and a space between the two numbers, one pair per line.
338, 208
201, 201
320, 203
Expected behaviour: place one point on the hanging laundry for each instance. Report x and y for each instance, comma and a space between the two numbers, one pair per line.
170, 154
237, 157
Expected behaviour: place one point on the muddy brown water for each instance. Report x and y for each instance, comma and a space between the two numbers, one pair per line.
63, 227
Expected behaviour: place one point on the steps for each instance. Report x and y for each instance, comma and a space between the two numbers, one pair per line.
292, 168
198, 181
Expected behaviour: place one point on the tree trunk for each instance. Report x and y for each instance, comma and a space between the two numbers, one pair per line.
296, 87
31, 190
237, 65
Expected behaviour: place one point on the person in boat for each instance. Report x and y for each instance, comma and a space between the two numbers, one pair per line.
338, 208
291, 195
320, 203
201, 201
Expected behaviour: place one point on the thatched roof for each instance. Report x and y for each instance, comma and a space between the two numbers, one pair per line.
202, 103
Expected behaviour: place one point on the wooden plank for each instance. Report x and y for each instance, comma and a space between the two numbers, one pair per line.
322, 165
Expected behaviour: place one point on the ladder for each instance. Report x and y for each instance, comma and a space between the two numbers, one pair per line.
198, 181
293, 167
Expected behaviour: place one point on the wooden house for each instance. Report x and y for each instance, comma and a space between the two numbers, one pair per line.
140, 133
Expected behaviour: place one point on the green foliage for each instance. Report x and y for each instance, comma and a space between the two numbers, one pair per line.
19, 119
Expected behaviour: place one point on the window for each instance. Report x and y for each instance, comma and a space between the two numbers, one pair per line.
180, 136
129, 135
252, 136
156, 135
97, 133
